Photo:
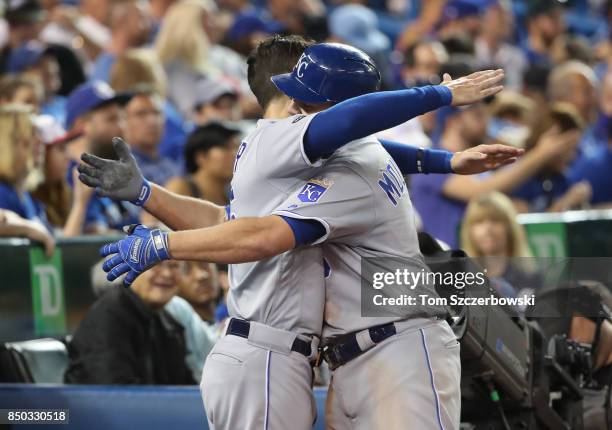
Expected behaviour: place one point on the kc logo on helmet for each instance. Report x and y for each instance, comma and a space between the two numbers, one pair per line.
313, 190
301, 66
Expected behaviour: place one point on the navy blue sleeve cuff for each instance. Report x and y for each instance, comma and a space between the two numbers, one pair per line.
306, 231
445, 94
437, 161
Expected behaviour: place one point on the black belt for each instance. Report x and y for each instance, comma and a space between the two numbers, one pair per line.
241, 328
338, 353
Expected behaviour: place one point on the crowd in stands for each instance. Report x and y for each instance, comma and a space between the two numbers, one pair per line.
170, 77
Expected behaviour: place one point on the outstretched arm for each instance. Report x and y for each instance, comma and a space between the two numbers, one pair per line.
122, 180
368, 114
236, 241
481, 158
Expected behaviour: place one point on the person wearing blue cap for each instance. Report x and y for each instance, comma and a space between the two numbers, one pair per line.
94, 113
34, 59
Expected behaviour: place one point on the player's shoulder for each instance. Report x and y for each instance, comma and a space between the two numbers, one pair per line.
294, 121
361, 151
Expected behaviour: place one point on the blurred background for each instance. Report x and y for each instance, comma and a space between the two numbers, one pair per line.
170, 77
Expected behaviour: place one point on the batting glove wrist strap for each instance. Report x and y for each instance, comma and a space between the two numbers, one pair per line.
144, 194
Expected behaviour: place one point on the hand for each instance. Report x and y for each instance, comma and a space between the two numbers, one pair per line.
578, 195
81, 192
483, 158
475, 87
141, 249
553, 143
118, 179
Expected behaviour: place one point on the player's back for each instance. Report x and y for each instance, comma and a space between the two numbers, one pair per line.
368, 214
285, 291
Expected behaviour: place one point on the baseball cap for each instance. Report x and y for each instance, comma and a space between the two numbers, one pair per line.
25, 56
251, 22
358, 26
49, 129
23, 11
209, 90
90, 96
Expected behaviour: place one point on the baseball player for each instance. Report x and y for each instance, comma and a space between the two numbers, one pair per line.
258, 375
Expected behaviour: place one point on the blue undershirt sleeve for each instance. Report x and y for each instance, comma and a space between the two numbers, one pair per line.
306, 231
368, 114
411, 159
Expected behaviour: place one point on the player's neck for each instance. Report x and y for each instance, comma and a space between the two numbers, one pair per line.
277, 108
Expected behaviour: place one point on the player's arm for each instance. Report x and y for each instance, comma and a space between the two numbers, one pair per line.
122, 180
368, 114
481, 158
237, 241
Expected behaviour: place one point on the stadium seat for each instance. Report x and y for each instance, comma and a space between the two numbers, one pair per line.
33, 361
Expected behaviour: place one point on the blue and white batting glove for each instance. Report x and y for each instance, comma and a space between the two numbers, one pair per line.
141, 249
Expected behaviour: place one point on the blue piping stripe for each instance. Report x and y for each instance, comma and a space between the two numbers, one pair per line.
431, 378
267, 390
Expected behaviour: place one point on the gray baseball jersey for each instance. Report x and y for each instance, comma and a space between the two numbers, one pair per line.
362, 200
286, 291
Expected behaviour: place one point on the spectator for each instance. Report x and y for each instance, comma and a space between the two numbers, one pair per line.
139, 67
35, 60
130, 28
200, 336
303, 17
25, 20
18, 160
21, 90
215, 101
544, 25
492, 48
86, 26
491, 234
54, 193
422, 63
460, 18
64, 209
94, 114
200, 287
511, 117
551, 189
209, 157
183, 49
144, 127
440, 199
575, 83
128, 338
595, 168
357, 26
535, 82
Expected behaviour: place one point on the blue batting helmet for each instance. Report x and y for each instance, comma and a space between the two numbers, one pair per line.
329, 72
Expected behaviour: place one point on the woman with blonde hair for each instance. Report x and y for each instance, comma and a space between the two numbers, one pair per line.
20, 214
491, 234
183, 48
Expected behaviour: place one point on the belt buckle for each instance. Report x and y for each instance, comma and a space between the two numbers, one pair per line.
319, 358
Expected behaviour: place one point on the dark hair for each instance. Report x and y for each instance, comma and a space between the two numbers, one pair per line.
535, 78
273, 56
205, 137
